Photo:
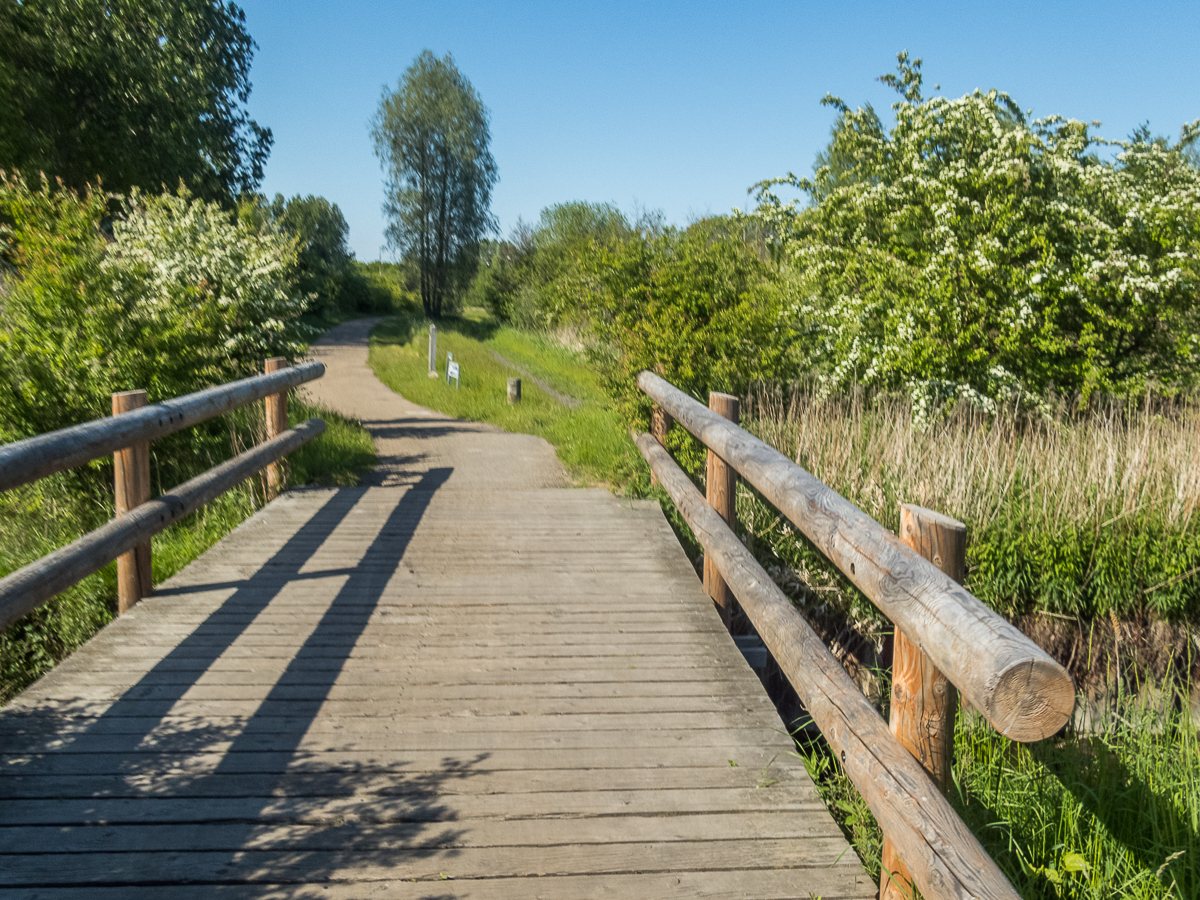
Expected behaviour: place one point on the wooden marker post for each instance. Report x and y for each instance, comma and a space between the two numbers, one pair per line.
277, 424
660, 427
433, 351
131, 474
721, 496
514, 391
923, 699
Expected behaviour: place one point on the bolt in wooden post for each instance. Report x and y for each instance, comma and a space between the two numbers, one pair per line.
923, 699
721, 496
277, 424
514, 391
131, 474
660, 427
433, 351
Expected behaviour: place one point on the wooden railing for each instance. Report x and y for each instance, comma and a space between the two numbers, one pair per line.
127, 435
1017, 687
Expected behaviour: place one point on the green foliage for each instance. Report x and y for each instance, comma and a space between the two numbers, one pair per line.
395, 282
563, 259
431, 134
144, 93
970, 253
182, 296
498, 279
326, 275
700, 307
1088, 817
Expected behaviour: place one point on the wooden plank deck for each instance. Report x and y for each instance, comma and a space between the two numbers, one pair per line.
441, 686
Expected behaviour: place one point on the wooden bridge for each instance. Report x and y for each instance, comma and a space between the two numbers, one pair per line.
464, 679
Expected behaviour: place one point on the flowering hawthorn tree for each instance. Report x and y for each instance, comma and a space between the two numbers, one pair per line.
971, 253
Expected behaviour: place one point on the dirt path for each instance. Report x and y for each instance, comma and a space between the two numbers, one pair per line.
411, 439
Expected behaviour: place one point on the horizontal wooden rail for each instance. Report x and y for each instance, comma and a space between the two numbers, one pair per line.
944, 857
28, 588
1024, 693
24, 461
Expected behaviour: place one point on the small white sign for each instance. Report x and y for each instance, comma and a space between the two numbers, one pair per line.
452, 372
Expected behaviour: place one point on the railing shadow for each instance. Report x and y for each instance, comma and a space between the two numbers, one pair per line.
244, 792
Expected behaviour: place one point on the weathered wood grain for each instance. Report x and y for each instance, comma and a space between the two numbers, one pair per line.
337, 696
660, 427
24, 461
923, 699
721, 494
131, 476
845, 880
275, 409
1022, 691
944, 856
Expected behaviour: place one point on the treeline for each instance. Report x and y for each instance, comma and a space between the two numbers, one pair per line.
703, 305
963, 254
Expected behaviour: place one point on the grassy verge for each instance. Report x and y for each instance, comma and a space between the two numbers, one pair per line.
41, 517
1086, 817
590, 438
1088, 513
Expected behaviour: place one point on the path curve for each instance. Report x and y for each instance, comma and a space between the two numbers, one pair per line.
412, 439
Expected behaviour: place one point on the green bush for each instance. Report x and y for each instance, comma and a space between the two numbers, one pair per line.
701, 307
172, 294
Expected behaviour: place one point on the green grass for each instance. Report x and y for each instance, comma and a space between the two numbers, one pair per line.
39, 518
590, 439
1086, 817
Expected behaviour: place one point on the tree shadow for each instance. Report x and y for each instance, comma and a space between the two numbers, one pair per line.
401, 329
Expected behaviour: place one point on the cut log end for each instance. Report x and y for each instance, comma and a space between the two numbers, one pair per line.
1033, 699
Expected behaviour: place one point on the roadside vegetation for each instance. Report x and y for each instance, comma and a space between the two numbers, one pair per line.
589, 436
1078, 817
39, 518
1081, 529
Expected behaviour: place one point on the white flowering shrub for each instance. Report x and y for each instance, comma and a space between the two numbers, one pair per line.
970, 253
180, 296
207, 296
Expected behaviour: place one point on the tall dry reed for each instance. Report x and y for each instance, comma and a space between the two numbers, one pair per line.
1084, 511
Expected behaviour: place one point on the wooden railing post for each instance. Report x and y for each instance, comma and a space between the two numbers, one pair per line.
514, 391
721, 496
660, 427
923, 699
131, 475
277, 424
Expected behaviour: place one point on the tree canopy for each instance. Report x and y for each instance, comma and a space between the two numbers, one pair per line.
131, 92
431, 135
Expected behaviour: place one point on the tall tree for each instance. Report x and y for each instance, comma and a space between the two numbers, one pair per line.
133, 92
431, 135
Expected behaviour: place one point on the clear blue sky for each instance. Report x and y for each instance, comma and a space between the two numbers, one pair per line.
681, 107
